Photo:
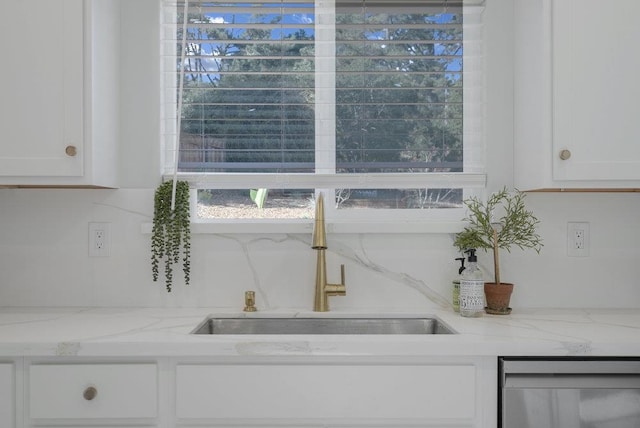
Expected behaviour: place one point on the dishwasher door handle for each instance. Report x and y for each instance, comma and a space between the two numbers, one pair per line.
572, 367
569, 381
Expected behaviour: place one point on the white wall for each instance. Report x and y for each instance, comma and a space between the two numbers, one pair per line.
44, 233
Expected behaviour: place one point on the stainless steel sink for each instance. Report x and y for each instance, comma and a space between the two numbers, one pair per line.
220, 325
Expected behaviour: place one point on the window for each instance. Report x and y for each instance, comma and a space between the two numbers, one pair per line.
378, 103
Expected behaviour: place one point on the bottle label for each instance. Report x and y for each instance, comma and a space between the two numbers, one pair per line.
471, 295
456, 296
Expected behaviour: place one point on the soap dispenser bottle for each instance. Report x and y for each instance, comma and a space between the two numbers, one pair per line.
472, 288
456, 285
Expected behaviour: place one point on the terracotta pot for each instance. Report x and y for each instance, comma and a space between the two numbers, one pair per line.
498, 297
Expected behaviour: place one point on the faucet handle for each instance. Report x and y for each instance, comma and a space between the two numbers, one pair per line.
337, 289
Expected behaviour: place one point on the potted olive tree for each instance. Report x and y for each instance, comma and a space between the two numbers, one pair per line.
500, 223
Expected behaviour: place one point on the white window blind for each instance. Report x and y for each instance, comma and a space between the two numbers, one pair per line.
365, 94
399, 86
248, 100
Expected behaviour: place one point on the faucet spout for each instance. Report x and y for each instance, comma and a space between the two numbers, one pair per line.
319, 243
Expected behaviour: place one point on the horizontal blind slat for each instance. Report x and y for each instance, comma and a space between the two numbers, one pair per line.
352, 57
253, 25
214, 180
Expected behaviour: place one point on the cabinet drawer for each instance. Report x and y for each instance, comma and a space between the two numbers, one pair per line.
326, 392
93, 391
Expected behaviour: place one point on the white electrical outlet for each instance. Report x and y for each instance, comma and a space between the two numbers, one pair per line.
578, 239
99, 239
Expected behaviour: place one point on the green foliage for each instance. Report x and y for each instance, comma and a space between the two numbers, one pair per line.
514, 226
258, 196
171, 233
205, 196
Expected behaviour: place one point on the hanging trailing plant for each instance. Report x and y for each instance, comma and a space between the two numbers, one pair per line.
171, 233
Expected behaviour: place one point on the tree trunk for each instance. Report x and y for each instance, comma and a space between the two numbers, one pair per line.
496, 258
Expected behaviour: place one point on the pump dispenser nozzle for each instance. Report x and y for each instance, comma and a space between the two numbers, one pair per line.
461, 268
472, 255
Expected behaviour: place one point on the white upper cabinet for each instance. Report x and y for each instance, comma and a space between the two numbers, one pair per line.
42, 82
576, 94
59, 85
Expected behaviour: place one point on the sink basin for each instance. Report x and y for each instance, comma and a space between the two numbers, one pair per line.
217, 325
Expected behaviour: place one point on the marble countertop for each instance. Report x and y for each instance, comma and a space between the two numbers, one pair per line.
157, 332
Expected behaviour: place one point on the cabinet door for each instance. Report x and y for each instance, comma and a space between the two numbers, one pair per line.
7, 394
41, 81
596, 90
333, 394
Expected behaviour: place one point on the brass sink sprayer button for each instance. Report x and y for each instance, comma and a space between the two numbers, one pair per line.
319, 243
250, 301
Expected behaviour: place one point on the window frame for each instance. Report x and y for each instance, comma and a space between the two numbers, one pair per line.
472, 181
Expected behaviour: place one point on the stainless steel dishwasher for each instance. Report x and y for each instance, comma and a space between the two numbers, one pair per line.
569, 392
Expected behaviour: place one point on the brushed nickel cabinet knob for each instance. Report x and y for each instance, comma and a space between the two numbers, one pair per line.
71, 150
565, 154
90, 393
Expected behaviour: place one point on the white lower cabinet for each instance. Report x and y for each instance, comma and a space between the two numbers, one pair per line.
250, 392
92, 393
331, 395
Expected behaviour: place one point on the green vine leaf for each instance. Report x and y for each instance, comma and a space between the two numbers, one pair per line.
171, 232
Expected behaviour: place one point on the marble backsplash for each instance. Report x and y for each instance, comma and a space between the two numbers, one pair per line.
44, 259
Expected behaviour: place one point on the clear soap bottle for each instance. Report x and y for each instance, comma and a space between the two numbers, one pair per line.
472, 288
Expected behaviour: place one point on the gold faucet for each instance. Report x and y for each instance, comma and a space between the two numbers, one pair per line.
319, 243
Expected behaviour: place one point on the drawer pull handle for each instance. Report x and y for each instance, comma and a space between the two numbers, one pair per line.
90, 393
565, 154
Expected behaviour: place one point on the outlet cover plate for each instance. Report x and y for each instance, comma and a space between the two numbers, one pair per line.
99, 239
578, 239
